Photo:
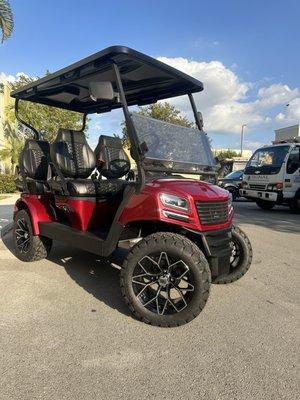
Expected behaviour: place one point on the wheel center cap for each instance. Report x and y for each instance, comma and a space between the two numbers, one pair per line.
25, 235
164, 280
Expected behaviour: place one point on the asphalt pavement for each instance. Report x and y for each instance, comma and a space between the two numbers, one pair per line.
65, 332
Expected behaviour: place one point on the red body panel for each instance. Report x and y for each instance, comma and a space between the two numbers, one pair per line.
40, 208
86, 214
147, 204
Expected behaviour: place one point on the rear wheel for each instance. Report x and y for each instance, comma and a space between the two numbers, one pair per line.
265, 205
241, 257
165, 280
27, 246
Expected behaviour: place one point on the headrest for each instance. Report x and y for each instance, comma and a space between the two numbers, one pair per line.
68, 135
34, 159
72, 154
111, 159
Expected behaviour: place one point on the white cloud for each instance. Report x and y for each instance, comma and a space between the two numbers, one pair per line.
276, 94
11, 78
292, 113
7, 78
225, 102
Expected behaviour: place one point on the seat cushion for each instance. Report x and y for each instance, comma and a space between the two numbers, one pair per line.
89, 187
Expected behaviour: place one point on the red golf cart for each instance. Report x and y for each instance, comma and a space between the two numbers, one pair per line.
178, 230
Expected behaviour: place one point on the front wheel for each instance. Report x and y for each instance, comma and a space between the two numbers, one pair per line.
265, 205
241, 257
165, 280
28, 247
234, 193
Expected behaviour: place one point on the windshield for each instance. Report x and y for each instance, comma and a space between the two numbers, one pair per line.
267, 160
173, 147
234, 175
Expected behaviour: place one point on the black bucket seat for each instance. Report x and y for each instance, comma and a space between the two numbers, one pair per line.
74, 161
33, 166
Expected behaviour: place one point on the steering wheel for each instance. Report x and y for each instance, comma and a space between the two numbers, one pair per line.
119, 167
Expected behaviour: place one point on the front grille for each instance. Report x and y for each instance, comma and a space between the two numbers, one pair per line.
257, 186
211, 213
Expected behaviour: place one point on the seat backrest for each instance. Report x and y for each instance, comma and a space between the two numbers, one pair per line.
111, 149
71, 153
34, 159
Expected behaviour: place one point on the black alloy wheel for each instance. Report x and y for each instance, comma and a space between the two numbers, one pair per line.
241, 257
28, 247
165, 280
162, 283
22, 235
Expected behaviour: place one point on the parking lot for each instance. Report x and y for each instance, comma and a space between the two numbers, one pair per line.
66, 334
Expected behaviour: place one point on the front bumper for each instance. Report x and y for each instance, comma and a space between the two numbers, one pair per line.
255, 194
216, 246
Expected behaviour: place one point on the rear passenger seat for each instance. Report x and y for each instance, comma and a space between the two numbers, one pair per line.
33, 167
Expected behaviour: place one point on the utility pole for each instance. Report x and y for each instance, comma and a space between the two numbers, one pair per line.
242, 138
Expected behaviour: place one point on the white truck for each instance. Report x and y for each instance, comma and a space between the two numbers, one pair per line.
272, 175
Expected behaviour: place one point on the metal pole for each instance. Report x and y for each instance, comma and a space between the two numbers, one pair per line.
135, 146
242, 138
196, 116
35, 132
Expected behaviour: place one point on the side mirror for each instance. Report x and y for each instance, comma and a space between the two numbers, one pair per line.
101, 91
200, 119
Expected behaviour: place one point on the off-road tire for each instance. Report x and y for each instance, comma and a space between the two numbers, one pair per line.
38, 246
293, 204
190, 254
265, 205
245, 259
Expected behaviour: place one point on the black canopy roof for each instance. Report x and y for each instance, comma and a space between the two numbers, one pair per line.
145, 80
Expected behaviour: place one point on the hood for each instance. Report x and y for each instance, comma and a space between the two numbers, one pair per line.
199, 190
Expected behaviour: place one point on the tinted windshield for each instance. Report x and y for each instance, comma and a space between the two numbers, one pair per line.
234, 175
172, 146
268, 160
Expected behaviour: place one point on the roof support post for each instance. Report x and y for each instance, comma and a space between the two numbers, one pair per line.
195, 111
135, 147
36, 133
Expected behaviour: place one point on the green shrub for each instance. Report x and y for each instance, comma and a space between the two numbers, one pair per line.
7, 184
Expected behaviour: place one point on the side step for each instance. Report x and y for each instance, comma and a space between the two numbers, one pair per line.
85, 240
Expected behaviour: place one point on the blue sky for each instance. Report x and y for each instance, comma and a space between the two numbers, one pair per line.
246, 53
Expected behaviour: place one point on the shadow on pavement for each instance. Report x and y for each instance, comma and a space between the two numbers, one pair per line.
278, 219
97, 276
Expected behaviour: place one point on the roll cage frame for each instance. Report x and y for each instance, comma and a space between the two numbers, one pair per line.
108, 58
138, 150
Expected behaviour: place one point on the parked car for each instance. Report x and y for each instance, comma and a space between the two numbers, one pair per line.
233, 183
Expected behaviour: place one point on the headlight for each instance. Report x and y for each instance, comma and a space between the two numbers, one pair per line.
275, 186
170, 200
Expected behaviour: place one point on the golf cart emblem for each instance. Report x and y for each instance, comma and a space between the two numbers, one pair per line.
257, 172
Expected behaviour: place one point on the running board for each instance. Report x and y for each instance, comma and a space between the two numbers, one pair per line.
84, 240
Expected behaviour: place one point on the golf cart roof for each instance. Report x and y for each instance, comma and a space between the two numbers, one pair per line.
145, 81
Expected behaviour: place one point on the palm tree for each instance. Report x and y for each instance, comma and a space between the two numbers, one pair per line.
6, 19
12, 147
